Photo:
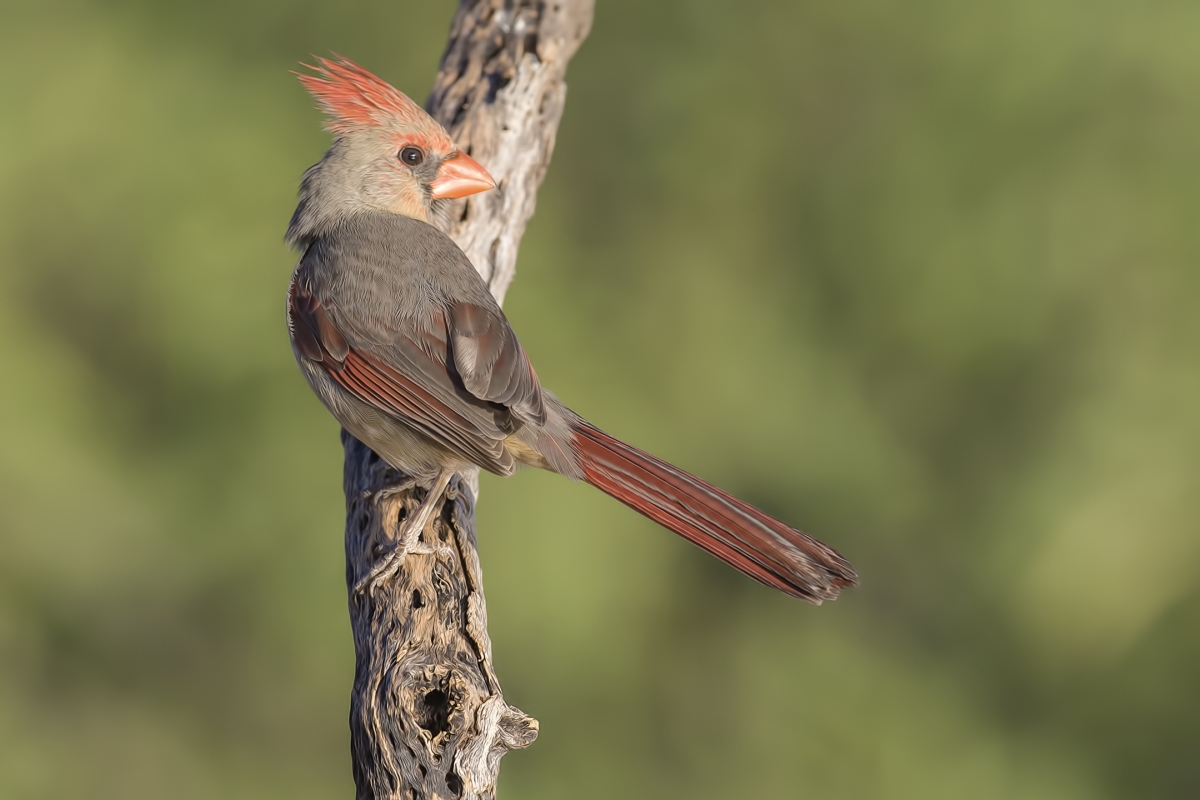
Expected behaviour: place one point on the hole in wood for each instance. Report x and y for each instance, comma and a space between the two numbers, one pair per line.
496, 82
417, 600
434, 713
454, 784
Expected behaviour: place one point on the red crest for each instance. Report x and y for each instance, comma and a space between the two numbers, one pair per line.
354, 98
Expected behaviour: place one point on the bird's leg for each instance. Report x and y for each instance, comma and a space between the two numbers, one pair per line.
411, 532
408, 536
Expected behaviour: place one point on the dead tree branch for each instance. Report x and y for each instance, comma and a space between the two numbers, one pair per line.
427, 717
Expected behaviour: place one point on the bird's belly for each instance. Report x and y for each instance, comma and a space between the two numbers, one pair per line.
399, 445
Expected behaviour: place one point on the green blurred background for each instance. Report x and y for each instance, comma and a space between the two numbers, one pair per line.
920, 277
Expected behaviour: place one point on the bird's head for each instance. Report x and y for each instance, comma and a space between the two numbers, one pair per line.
388, 153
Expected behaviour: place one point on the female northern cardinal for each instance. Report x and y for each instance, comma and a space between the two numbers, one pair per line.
401, 340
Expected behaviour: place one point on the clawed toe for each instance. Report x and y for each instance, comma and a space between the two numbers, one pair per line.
380, 495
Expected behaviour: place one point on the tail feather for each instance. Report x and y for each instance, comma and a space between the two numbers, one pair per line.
735, 532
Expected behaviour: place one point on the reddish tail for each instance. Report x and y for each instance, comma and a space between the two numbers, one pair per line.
735, 532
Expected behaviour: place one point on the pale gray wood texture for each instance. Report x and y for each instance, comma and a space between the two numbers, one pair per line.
427, 717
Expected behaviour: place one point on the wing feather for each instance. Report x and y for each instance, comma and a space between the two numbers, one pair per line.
491, 361
462, 378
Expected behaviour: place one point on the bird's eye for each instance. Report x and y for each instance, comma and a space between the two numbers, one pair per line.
412, 156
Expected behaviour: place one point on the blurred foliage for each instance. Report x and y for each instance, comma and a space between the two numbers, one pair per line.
921, 277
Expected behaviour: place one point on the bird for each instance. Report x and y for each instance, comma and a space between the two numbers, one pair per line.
401, 340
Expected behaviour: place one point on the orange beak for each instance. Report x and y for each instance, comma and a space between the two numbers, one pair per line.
459, 176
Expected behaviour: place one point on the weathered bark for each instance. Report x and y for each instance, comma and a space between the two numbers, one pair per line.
427, 718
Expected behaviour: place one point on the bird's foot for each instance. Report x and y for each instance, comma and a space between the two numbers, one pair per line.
390, 564
386, 569
409, 536
386, 492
